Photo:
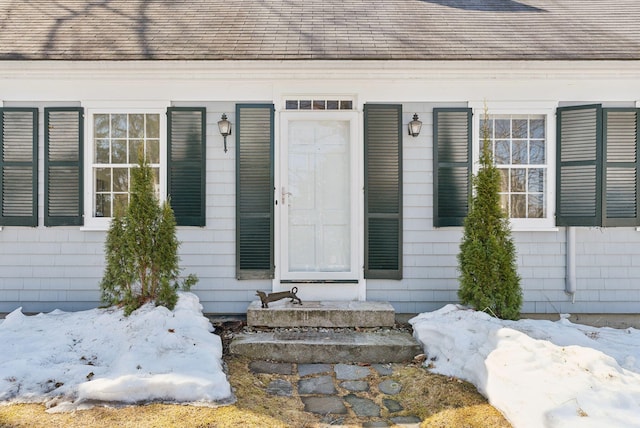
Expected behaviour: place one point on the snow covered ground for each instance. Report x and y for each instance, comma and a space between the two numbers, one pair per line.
538, 373
73, 360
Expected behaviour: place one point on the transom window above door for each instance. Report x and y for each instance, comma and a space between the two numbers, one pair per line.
318, 104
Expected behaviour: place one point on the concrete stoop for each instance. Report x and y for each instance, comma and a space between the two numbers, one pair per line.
321, 314
327, 346
324, 332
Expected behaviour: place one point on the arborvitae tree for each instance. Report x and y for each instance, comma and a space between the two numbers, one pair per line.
118, 278
142, 250
489, 279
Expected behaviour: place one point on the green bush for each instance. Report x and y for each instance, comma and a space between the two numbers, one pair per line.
489, 279
141, 250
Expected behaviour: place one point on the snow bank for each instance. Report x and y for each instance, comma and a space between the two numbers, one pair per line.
70, 359
538, 373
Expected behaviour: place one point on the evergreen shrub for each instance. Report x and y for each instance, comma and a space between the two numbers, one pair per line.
141, 250
489, 280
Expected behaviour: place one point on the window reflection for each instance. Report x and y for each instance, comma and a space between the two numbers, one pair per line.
119, 141
519, 153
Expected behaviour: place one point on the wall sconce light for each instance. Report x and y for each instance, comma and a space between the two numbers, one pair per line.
414, 126
225, 129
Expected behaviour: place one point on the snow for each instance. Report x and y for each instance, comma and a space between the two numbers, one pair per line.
74, 360
538, 373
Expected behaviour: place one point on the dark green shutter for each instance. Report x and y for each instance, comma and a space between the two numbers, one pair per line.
621, 167
452, 160
254, 191
579, 166
19, 166
63, 148
383, 191
186, 164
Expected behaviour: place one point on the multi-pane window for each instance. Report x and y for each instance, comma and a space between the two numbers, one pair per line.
309, 104
118, 141
518, 144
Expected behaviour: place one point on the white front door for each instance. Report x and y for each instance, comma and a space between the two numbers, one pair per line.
319, 197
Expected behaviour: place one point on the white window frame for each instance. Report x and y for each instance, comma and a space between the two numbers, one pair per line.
547, 110
102, 223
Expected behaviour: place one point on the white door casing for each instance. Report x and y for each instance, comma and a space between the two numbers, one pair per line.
319, 205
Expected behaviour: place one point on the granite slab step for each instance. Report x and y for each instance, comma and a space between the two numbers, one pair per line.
332, 346
332, 314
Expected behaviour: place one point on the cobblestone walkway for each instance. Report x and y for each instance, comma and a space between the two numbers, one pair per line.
338, 391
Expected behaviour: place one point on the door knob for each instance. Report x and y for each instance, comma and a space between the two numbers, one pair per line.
284, 195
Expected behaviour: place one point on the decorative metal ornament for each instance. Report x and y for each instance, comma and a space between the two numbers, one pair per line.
272, 297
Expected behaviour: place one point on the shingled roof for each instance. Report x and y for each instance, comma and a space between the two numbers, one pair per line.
320, 29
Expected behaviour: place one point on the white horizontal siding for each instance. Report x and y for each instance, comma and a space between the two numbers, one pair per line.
61, 267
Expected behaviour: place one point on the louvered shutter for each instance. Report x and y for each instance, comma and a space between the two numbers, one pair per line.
621, 167
63, 142
579, 166
383, 191
452, 161
186, 164
19, 166
254, 191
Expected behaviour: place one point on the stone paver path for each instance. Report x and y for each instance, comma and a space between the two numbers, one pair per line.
333, 391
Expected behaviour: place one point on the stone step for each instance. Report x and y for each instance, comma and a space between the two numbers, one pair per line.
331, 314
331, 346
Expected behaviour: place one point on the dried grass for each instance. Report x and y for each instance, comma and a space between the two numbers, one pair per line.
438, 400
442, 401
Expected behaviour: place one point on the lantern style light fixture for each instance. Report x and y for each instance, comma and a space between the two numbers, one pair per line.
414, 126
225, 129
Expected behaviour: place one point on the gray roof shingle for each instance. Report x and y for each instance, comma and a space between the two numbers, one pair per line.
323, 29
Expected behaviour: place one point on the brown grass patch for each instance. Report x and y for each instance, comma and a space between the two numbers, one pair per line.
152, 415
442, 401
439, 400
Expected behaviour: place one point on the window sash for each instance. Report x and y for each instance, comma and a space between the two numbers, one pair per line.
126, 136
515, 162
519, 112
100, 223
